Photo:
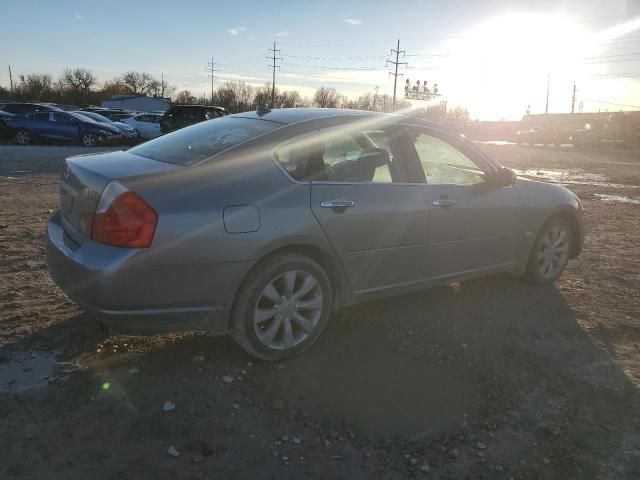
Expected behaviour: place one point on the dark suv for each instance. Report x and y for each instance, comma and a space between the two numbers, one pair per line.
180, 116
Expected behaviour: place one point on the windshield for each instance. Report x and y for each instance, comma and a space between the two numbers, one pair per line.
199, 142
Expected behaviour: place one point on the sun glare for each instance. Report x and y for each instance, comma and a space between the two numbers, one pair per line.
501, 65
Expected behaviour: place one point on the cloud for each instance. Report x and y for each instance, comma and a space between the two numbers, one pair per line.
352, 21
283, 33
236, 30
78, 17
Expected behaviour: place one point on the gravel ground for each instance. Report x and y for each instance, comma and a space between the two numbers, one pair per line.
484, 379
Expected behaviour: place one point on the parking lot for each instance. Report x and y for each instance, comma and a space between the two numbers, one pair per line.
484, 379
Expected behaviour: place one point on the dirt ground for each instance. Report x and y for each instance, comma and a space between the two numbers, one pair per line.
484, 379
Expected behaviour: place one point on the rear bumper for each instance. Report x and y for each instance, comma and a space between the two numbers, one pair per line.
130, 295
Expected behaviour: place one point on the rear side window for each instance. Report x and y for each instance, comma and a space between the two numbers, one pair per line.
203, 140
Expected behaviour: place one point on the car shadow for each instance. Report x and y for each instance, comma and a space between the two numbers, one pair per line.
493, 364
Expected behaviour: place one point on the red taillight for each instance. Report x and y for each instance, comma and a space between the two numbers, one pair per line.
128, 221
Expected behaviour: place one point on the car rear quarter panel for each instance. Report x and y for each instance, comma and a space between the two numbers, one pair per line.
194, 258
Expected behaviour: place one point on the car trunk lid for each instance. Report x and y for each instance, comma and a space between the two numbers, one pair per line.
85, 177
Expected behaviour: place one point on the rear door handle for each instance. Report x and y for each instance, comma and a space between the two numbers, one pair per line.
443, 203
336, 203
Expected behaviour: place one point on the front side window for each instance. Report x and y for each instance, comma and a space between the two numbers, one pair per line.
338, 155
203, 140
61, 118
444, 164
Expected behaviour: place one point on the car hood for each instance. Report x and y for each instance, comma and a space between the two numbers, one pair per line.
122, 126
103, 126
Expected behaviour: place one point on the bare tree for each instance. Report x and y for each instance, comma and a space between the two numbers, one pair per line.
79, 81
35, 86
185, 97
327, 97
138, 83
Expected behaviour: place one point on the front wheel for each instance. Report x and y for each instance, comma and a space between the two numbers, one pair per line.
89, 139
282, 307
550, 253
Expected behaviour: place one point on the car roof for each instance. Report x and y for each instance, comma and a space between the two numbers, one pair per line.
295, 115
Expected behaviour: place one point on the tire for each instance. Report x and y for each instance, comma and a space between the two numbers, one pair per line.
550, 252
23, 137
89, 139
272, 329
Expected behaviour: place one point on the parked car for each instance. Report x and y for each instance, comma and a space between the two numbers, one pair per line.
128, 132
543, 135
24, 108
146, 124
5, 130
114, 114
61, 126
262, 224
180, 116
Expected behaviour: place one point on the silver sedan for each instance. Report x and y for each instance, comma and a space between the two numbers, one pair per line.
262, 224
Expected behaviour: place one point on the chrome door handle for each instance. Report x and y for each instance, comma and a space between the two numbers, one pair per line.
443, 203
336, 203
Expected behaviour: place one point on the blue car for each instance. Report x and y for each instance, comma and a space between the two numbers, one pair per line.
62, 127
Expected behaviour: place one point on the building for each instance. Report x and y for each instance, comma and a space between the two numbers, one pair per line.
139, 103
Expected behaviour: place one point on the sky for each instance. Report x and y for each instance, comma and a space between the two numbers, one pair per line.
492, 57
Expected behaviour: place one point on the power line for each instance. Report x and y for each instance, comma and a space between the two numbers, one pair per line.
211, 69
274, 65
398, 52
611, 103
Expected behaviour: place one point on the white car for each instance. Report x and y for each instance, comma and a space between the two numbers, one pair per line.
146, 124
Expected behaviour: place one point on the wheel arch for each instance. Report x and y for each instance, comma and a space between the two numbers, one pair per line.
331, 265
571, 216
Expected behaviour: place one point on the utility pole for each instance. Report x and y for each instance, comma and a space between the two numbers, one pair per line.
546, 107
573, 97
211, 69
273, 65
11, 81
395, 74
162, 84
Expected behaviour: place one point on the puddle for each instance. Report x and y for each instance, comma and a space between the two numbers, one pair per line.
27, 371
617, 199
571, 177
494, 142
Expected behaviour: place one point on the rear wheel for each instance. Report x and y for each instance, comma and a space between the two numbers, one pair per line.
550, 253
89, 139
282, 307
23, 137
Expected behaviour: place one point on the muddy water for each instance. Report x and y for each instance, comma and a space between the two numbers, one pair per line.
572, 177
27, 371
618, 199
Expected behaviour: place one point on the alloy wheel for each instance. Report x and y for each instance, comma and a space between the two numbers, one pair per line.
288, 310
88, 139
23, 137
554, 252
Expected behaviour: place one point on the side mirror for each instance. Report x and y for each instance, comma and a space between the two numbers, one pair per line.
505, 177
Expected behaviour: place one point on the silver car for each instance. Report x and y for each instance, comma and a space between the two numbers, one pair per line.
262, 224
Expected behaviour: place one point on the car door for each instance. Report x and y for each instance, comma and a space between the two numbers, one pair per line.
473, 219
143, 125
62, 126
375, 221
39, 124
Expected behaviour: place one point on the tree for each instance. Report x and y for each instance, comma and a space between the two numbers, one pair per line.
327, 97
185, 97
35, 86
138, 83
79, 81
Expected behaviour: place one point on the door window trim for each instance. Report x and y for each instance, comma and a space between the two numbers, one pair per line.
458, 144
398, 143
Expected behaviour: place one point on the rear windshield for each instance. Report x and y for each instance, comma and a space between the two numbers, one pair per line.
196, 143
